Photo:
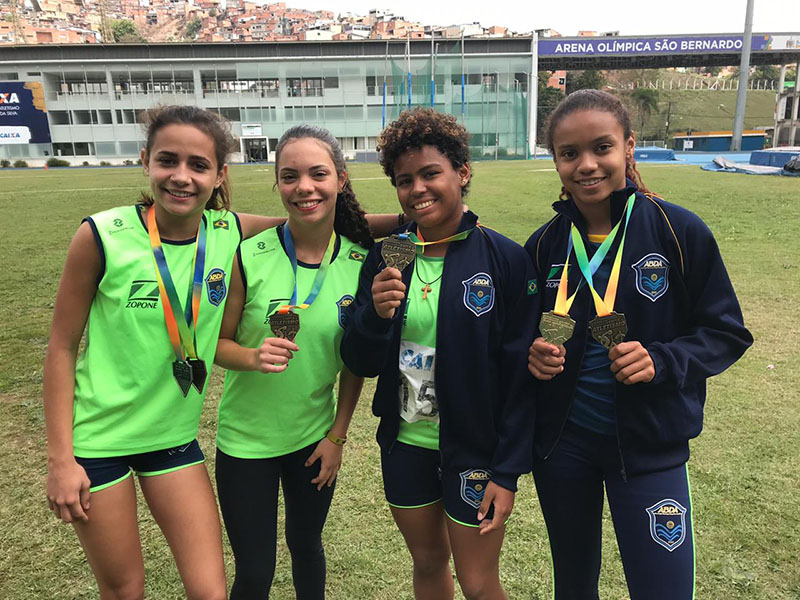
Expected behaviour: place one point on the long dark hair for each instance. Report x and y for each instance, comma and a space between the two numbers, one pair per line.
595, 100
349, 220
210, 123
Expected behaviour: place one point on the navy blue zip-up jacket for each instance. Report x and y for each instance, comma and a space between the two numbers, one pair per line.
678, 302
483, 388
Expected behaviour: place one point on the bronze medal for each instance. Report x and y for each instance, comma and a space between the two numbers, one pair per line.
182, 371
556, 329
285, 325
609, 330
398, 252
199, 373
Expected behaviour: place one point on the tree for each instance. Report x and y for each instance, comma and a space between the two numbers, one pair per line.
768, 72
585, 80
193, 27
125, 31
645, 101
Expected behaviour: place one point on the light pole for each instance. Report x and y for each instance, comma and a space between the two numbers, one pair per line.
744, 73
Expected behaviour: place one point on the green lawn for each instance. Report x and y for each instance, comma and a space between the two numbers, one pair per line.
744, 468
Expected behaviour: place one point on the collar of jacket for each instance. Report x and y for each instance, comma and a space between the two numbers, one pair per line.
469, 220
618, 199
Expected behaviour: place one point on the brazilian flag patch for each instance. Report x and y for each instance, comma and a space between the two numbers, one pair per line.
356, 256
532, 287
220, 224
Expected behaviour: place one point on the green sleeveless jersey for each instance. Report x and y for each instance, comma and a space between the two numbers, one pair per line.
126, 398
262, 415
419, 409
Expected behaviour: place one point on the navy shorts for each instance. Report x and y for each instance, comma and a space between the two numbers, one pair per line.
105, 472
413, 478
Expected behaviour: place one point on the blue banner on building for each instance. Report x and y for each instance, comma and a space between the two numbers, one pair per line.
678, 44
23, 115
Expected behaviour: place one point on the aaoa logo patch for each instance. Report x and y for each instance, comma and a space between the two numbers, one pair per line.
344, 304
215, 286
652, 279
479, 293
667, 523
473, 485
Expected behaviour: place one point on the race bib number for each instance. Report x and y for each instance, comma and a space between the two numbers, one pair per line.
417, 391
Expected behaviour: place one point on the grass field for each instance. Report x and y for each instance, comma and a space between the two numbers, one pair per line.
744, 468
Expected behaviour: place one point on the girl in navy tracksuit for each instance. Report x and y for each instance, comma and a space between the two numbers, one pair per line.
623, 417
448, 337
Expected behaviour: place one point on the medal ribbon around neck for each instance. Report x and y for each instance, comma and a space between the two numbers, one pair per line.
603, 306
421, 243
589, 267
319, 278
181, 328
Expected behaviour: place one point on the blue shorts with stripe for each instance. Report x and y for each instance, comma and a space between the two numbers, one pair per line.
105, 472
413, 478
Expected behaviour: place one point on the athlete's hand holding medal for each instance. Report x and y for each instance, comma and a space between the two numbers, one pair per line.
630, 361
388, 289
274, 354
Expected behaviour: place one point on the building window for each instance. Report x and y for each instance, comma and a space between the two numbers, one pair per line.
301, 86
232, 114
60, 117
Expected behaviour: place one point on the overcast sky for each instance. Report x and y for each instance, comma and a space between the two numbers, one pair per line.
629, 17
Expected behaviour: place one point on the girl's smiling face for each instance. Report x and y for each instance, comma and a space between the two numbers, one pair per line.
183, 169
591, 152
307, 180
428, 187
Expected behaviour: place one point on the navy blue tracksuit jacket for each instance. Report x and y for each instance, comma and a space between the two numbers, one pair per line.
483, 387
678, 302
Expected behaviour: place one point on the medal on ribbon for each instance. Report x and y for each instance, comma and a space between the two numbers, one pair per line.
285, 323
398, 251
188, 369
556, 326
608, 328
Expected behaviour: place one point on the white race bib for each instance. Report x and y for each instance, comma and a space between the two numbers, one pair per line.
417, 391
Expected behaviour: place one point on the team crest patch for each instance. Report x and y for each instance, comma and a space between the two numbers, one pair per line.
220, 224
473, 485
479, 293
652, 280
344, 304
532, 287
667, 523
215, 286
356, 256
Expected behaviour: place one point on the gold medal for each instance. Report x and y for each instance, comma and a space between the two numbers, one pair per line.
556, 329
398, 251
610, 329
285, 325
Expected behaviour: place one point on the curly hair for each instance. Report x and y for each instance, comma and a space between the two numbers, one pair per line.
420, 127
350, 219
210, 123
595, 100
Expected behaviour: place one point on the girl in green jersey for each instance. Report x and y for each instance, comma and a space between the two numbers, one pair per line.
279, 419
125, 404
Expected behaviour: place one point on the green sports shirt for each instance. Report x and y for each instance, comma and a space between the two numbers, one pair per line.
262, 415
419, 422
126, 398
